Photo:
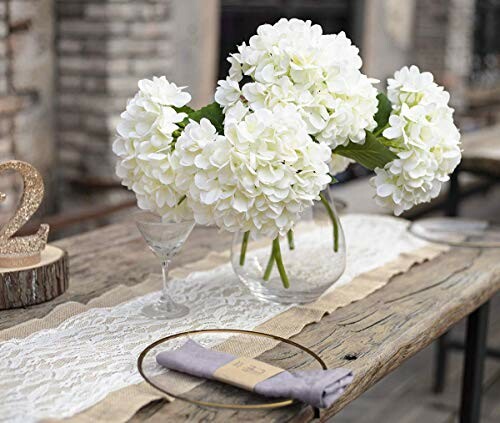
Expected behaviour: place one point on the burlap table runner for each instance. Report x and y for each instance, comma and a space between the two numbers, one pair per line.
122, 404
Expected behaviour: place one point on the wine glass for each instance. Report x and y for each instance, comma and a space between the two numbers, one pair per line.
165, 239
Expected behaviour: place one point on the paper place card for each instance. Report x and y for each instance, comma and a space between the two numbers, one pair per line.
245, 372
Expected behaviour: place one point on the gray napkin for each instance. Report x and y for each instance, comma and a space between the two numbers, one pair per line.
319, 388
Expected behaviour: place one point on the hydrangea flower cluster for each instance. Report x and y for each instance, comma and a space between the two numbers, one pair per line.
422, 134
294, 109
145, 144
258, 177
293, 62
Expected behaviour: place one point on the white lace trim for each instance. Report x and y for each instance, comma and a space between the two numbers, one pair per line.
61, 371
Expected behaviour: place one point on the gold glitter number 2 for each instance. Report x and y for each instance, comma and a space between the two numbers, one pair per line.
31, 198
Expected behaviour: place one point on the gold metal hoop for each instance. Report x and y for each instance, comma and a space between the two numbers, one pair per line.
277, 404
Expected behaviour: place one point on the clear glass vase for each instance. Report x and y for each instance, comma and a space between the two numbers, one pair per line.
312, 257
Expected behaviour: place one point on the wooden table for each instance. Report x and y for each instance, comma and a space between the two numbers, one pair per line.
372, 336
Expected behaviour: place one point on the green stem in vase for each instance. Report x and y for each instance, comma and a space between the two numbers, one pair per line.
244, 245
279, 262
334, 220
270, 264
291, 242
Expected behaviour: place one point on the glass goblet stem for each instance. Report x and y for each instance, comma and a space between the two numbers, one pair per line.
165, 297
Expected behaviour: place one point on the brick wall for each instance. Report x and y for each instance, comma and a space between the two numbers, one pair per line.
387, 37
26, 91
443, 43
103, 47
431, 30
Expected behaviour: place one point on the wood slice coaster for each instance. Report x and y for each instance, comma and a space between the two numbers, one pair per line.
29, 285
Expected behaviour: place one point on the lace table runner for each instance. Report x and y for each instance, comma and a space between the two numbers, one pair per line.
60, 371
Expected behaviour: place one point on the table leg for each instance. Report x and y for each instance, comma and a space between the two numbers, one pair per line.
441, 363
475, 351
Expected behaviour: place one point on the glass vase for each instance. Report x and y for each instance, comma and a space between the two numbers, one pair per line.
311, 258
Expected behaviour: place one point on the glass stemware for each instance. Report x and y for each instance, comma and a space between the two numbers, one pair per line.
165, 239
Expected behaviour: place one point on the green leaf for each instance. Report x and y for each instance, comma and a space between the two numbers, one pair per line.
383, 112
334, 179
183, 109
371, 154
213, 112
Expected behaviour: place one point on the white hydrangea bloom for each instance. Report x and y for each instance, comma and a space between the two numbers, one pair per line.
228, 92
144, 147
410, 86
339, 164
235, 112
258, 177
165, 93
422, 133
292, 62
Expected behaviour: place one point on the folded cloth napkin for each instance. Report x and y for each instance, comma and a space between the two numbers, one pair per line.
319, 388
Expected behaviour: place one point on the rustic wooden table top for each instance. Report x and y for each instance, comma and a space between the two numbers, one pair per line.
372, 336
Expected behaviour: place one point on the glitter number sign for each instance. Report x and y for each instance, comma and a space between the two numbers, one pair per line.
23, 250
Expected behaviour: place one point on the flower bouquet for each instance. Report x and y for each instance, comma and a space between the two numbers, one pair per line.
294, 110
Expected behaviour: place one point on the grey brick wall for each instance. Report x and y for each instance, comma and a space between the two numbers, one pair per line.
431, 30
443, 41
26, 91
103, 47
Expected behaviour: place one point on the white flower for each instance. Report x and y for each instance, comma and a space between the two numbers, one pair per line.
235, 113
189, 149
422, 133
227, 93
407, 181
144, 147
410, 86
165, 93
258, 177
292, 62
339, 164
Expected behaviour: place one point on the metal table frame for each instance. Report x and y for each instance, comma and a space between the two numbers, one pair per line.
475, 353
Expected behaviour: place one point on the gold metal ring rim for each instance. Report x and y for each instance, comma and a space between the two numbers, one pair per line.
277, 404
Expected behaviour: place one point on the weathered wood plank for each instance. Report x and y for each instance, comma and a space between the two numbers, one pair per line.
382, 330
